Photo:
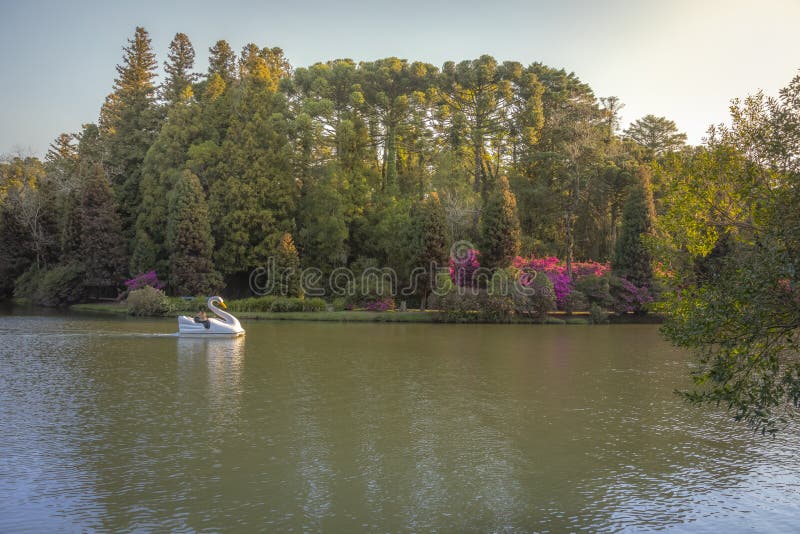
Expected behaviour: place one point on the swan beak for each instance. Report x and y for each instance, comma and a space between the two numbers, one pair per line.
224, 307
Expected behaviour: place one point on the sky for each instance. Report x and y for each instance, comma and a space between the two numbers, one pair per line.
681, 59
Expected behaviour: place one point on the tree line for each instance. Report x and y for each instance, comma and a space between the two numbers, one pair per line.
203, 177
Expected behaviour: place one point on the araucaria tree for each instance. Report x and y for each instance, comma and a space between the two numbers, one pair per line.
658, 135
189, 240
632, 260
500, 231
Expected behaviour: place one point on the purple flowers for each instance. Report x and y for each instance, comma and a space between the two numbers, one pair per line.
381, 305
556, 271
148, 279
462, 269
630, 298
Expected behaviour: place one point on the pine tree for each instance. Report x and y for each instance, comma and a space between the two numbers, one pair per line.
500, 232
287, 265
189, 240
429, 241
102, 245
222, 62
252, 198
179, 64
129, 121
631, 257
160, 172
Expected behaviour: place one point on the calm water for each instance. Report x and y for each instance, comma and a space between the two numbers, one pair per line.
104, 424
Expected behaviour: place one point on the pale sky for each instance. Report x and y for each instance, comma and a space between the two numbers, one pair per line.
681, 59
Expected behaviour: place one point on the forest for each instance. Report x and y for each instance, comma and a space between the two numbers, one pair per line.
203, 177
191, 184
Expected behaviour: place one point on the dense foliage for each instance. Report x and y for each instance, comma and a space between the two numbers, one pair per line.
385, 161
190, 185
730, 243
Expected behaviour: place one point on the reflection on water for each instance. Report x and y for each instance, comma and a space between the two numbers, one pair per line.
113, 424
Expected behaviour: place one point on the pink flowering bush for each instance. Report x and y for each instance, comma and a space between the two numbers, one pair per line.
462, 270
142, 280
556, 271
628, 297
384, 304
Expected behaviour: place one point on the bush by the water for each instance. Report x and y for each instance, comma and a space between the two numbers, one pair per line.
59, 286
148, 301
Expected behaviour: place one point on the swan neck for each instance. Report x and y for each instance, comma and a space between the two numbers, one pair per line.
225, 315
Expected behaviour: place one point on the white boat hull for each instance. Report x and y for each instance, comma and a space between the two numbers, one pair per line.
217, 328
226, 326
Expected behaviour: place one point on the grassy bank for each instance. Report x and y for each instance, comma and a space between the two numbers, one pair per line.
355, 316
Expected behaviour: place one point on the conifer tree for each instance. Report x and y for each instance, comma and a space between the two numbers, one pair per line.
631, 257
189, 240
180, 61
129, 121
287, 264
500, 232
429, 241
222, 62
252, 199
102, 245
160, 171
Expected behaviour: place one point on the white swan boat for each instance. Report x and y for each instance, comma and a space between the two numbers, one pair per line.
226, 326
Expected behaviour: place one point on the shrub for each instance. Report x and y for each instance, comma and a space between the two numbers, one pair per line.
556, 271
460, 307
476, 307
462, 269
628, 297
26, 285
495, 308
576, 301
597, 315
60, 286
368, 291
384, 304
148, 301
537, 298
142, 280
596, 290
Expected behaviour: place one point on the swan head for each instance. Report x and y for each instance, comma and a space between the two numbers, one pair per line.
219, 301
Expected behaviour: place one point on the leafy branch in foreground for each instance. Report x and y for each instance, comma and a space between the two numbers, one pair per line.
732, 247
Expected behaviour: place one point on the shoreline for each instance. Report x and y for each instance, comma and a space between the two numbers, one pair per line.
415, 316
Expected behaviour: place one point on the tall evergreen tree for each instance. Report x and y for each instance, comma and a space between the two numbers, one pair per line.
287, 265
189, 240
429, 241
252, 200
129, 121
102, 245
631, 257
658, 135
222, 62
500, 233
160, 171
180, 61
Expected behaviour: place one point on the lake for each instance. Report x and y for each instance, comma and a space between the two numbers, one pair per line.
114, 424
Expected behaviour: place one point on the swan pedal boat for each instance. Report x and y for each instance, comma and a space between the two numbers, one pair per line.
226, 326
